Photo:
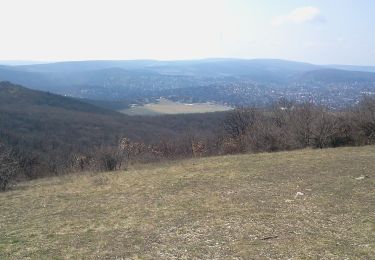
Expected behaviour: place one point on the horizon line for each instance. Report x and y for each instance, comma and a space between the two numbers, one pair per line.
22, 62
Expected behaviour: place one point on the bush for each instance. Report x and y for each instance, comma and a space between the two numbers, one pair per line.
364, 116
108, 159
8, 167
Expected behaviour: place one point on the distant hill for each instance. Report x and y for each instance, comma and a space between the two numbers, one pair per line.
267, 70
81, 66
17, 98
337, 76
32, 79
354, 68
235, 81
190, 67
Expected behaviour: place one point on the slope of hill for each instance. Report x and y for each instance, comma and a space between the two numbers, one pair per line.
13, 74
52, 128
44, 116
15, 97
338, 76
292, 205
354, 68
49, 109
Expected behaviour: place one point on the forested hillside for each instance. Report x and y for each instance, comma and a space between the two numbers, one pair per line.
50, 134
47, 129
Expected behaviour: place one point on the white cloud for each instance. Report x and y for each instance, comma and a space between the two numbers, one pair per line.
299, 15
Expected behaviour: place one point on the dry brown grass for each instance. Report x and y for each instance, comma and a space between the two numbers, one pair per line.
232, 207
167, 107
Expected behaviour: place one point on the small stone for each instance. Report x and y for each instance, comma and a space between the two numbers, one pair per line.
298, 194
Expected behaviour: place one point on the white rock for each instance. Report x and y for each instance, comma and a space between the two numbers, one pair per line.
298, 194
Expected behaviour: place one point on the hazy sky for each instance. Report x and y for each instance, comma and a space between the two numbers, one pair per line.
317, 31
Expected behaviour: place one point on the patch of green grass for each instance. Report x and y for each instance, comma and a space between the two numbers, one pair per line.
242, 206
164, 106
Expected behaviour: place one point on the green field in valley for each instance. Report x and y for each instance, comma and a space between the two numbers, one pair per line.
164, 106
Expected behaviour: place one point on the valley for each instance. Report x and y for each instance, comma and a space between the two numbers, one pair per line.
218, 130
236, 82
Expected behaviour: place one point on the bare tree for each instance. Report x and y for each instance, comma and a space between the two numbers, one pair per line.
282, 111
238, 127
325, 128
239, 121
198, 148
108, 159
365, 118
304, 117
8, 166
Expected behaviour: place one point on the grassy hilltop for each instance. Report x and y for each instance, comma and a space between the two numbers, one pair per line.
300, 204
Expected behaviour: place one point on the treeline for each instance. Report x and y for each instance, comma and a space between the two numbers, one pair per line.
288, 126
284, 126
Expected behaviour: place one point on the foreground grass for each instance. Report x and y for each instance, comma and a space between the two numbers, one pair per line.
235, 207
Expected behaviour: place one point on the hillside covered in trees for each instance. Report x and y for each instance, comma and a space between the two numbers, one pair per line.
47, 131
50, 134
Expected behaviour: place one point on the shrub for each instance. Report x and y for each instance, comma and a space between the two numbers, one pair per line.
8, 167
